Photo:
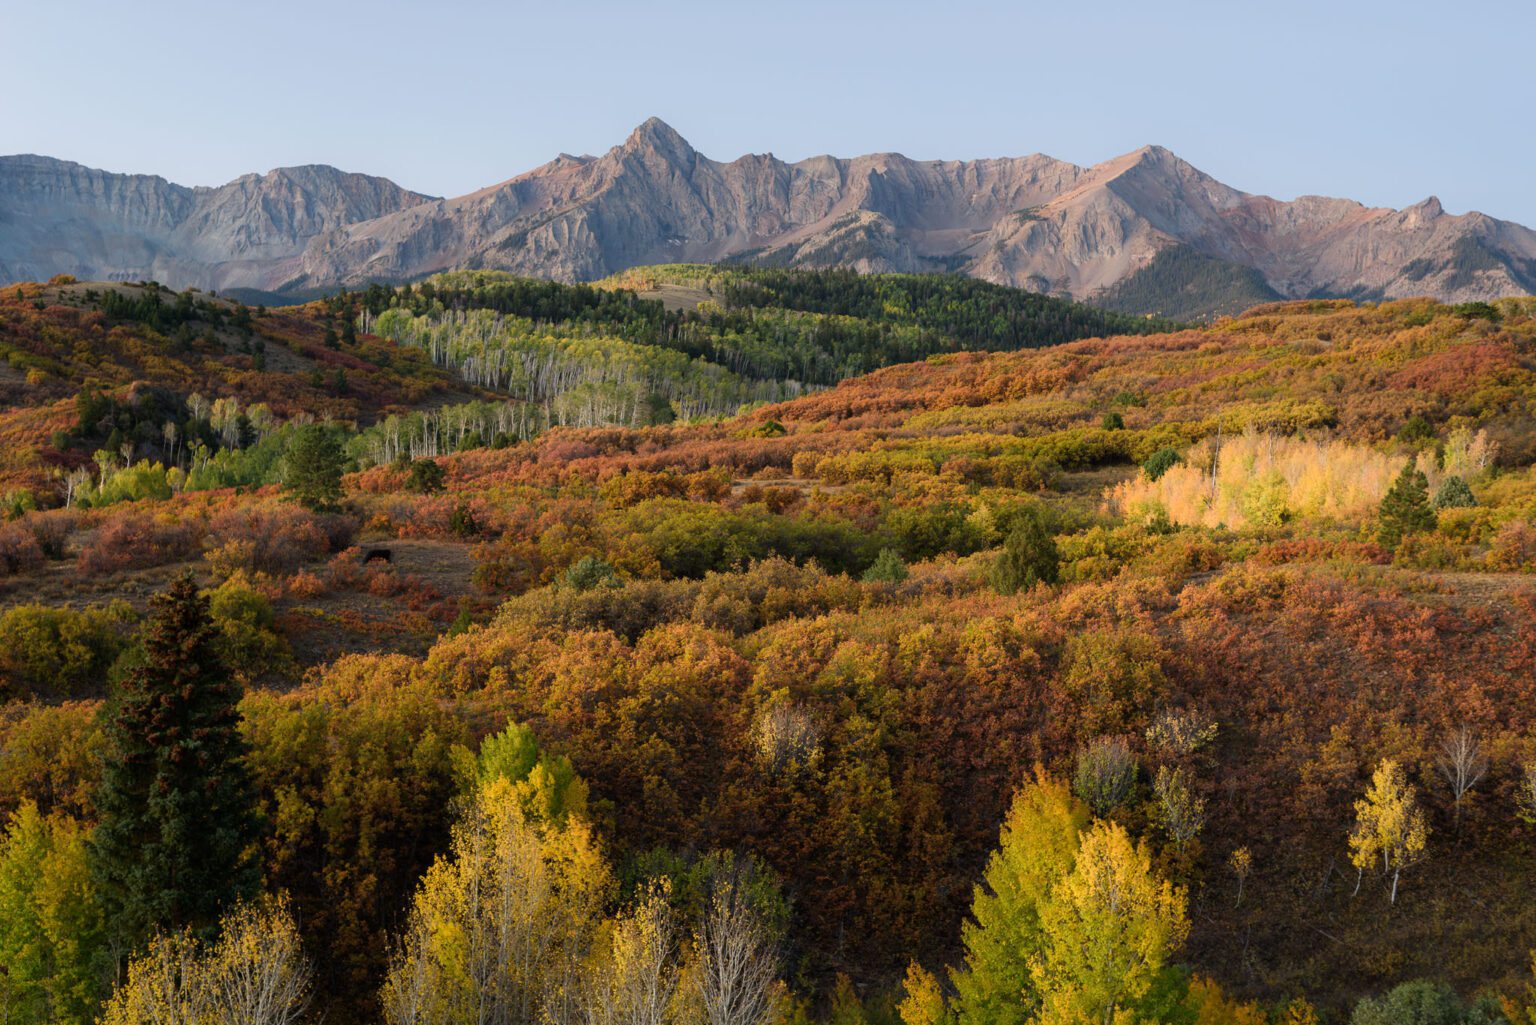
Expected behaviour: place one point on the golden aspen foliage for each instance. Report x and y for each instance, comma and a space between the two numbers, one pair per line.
1037, 849
1258, 480
547, 787
502, 922
1179, 809
922, 1000
1389, 827
1298, 1012
1109, 929
1212, 1007
52, 930
1241, 863
255, 974
165, 984
632, 976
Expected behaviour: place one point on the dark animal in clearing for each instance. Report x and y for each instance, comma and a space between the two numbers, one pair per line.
378, 555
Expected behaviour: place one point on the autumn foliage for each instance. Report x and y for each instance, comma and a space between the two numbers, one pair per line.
955, 654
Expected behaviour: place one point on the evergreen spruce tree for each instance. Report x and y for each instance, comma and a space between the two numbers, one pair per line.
1454, 494
1405, 509
1160, 462
172, 849
1029, 555
888, 568
312, 466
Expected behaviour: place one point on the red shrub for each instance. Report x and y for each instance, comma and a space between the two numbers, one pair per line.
1313, 549
267, 539
137, 541
19, 550
345, 571
51, 529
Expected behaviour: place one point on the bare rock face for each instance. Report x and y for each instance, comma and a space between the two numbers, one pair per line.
1030, 221
655, 199
61, 218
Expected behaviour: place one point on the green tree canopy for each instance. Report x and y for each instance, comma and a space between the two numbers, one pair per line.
173, 847
1029, 555
52, 942
312, 467
1405, 509
1424, 1003
1110, 929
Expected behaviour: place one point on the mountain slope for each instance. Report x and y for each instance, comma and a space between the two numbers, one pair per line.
58, 217
1032, 221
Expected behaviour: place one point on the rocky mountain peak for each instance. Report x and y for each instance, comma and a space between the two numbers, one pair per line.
1032, 221
1424, 211
655, 135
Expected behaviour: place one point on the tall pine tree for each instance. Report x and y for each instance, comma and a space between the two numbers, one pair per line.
1405, 509
173, 847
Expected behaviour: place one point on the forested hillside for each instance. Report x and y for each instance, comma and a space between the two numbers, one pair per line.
1182, 284
742, 647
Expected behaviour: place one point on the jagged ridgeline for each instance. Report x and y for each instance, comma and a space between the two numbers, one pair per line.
689, 341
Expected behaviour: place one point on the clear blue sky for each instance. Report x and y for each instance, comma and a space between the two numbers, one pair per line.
1386, 102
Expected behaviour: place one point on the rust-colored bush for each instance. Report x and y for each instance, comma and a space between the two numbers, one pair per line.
138, 541
274, 539
19, 550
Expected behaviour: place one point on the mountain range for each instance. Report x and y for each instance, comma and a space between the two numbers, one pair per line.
1145, 232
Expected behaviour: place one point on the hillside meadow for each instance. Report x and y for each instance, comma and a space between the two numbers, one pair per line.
580, 657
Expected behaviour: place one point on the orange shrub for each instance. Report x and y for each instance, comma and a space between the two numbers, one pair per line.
305, 584
266, 539
1514, 546
136, 541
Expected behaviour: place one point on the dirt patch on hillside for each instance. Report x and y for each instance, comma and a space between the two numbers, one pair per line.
679, 297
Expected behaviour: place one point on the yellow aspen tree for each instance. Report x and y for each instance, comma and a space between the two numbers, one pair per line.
255, 974
1037, 848
410, 994
1213, 1007
922, 1000
1298, 1012
1109, 929
164, 985
1389, 827
52, 927
1241, 864
632, 979
1180, 810
736, 974
502, 922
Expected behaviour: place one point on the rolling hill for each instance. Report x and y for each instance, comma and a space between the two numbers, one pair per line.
794, 631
